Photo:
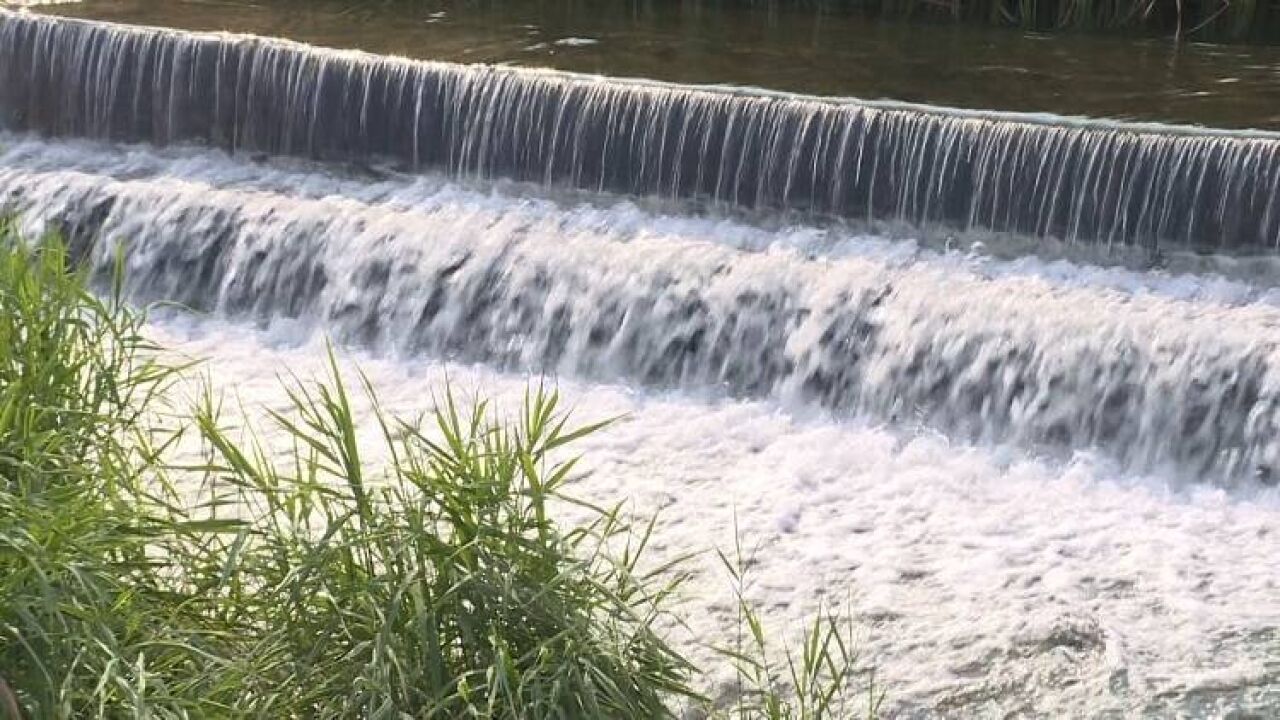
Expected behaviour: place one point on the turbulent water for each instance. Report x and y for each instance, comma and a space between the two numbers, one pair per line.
1081, 181
984, 585
425, 266
520, 221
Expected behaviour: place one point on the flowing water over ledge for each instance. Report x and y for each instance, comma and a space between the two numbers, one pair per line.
1082, 181
1190, 387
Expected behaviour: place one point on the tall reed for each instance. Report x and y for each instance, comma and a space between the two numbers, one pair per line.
89, 624
437, 585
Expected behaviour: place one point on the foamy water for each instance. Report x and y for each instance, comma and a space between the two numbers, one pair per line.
983, 582
1179, 375
1127, 565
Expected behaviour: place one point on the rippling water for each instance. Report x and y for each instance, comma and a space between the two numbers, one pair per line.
786, 49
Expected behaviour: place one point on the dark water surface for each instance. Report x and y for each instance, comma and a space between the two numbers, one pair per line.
1235, 86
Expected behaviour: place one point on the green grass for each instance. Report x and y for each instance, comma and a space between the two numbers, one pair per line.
438, 586
315, 582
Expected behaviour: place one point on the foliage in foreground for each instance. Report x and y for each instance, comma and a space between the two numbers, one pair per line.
310, 584
87, 624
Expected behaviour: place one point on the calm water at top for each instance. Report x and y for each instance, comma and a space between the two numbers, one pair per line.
1145, 79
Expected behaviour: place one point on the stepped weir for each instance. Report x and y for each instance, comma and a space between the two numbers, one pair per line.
413, 261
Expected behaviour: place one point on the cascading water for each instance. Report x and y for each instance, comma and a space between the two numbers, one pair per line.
464, 222
428, 267
1096, 182
1155, 383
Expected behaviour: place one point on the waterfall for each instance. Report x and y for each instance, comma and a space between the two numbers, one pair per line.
1037, 425
1076, 180
427, 267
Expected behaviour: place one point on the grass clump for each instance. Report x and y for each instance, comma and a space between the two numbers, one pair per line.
87, 622
438, 587
318, 582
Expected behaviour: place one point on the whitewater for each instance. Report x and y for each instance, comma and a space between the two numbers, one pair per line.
1027, 432
982, 583
988, 575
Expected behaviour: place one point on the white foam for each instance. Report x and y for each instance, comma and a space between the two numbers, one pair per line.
986, 583
1248, 280
608, 289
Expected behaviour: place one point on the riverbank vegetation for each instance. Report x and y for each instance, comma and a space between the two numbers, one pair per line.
312, 581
